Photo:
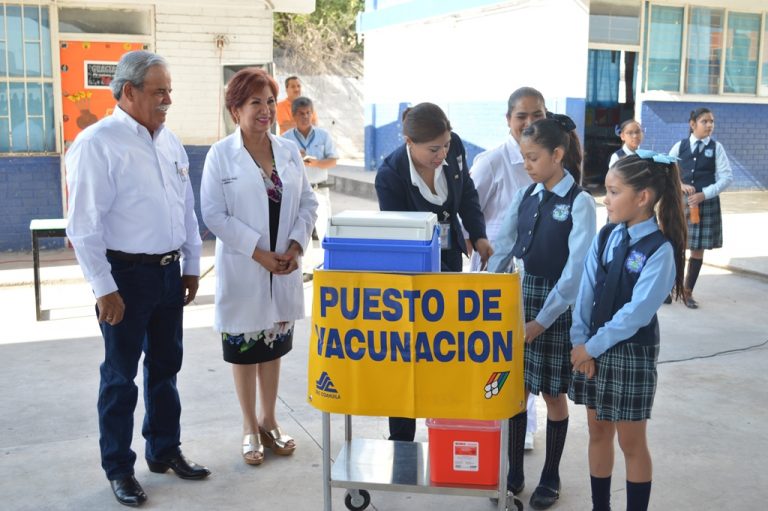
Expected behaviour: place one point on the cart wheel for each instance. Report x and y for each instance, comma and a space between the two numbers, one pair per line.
357, 500
517, 503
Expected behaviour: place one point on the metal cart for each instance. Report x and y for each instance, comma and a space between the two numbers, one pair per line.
368, 464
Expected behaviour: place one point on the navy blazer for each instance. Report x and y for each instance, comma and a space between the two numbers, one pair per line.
396, 192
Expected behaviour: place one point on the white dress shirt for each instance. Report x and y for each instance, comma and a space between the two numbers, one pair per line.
583, 215
129, 191
723, 171
441, 186
498, 174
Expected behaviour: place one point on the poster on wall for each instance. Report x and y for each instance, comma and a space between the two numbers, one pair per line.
87, 69
99, 74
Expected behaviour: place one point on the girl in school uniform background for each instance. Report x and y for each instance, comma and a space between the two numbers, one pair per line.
631, 133
705, 173
630, 268
498, 174
549, 225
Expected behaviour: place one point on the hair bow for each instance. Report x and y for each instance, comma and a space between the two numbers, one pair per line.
666, 159
565, 122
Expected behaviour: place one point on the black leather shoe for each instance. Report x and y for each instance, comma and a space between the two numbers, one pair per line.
544, 497
184, 468
128, 491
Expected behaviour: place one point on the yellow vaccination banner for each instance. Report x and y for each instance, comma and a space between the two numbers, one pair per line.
446, 345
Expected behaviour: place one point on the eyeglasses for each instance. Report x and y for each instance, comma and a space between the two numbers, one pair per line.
634, 132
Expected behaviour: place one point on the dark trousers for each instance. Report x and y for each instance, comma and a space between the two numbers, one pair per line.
154, 301
401, 428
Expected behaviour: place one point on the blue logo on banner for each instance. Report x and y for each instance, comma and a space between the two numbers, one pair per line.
324, 384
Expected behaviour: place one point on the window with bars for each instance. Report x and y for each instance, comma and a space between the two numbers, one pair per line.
26, 80
720, 49
665, 48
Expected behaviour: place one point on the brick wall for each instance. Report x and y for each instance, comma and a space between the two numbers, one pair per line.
185, 34
741, 128
30, 187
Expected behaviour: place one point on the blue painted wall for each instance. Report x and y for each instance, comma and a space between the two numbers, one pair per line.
30, 187
741, 128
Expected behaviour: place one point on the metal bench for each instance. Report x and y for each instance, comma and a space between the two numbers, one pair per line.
43, 228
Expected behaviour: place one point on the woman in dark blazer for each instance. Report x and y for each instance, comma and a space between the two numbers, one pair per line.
429, 173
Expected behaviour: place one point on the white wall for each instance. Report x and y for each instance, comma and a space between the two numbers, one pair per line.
481, 55
185, 35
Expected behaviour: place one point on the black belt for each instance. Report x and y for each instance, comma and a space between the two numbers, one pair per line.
161, 259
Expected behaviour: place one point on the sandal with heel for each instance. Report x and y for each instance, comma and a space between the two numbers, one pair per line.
280, 443
253, 450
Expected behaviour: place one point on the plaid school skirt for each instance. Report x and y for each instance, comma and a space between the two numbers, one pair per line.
708, 233
624, 385
548, 357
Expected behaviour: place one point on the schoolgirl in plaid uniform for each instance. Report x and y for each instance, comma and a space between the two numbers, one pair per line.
631, 266
549, 226
705, 172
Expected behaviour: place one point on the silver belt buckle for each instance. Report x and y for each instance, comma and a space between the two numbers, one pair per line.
167, 259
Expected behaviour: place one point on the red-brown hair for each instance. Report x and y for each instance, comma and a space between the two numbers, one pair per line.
244, 84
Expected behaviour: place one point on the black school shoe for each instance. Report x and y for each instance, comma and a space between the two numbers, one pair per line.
513, 488
544, 497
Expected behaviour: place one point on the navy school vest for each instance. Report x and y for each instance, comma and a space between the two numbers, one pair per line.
543, 230
698, 170
638, 254
620, 153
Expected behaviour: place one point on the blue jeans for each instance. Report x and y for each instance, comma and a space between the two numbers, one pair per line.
154, 302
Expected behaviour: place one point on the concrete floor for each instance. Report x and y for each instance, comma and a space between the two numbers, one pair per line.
705, 435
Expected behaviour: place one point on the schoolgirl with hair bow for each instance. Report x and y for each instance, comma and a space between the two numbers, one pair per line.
549, 226
631, 266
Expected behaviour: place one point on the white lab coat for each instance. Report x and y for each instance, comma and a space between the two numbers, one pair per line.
498, 174
233, 200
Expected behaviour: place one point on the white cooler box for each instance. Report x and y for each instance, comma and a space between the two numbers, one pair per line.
407, 241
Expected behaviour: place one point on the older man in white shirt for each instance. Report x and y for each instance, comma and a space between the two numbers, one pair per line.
133, 226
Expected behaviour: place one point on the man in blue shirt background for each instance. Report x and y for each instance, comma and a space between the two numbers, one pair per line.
319, 153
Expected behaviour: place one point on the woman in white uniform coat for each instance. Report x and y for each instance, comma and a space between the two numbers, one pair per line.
256, 199
498, 174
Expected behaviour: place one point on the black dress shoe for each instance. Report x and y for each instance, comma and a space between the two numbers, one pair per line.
179, 464
544, 497
128, 491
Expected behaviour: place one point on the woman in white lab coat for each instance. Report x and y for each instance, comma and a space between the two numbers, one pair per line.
256, 199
